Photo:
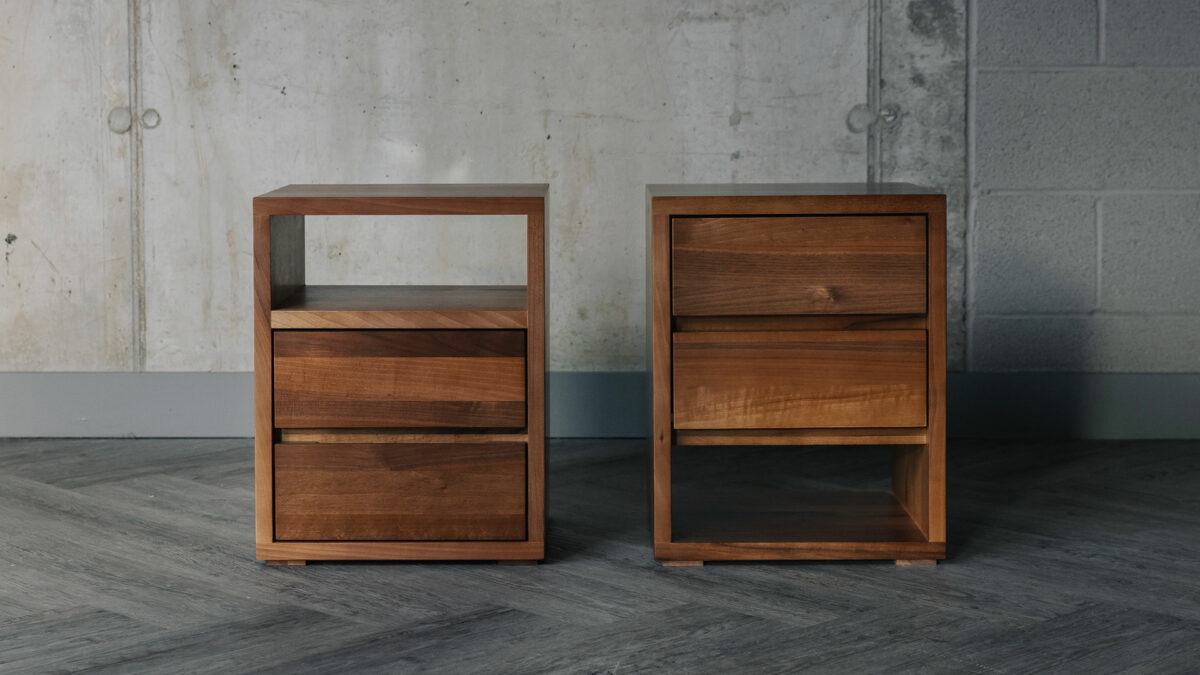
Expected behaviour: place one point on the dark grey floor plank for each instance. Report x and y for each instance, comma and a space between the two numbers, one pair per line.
242, 643
429, 646
686, 638
136, 556
1093, 639
34, 641
88, 461
172, 566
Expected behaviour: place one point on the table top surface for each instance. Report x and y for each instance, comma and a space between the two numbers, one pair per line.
525, 190
409, 191
786, 189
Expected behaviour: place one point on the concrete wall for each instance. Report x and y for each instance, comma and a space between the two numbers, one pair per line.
1084, 252
152, 243
1065, 133
65, 300
923, 78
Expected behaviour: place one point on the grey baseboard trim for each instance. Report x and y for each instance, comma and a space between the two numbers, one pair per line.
1102, 406
160, 405
602, 405
598, 405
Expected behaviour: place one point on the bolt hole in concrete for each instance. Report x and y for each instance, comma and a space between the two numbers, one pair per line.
119, 120
860, 118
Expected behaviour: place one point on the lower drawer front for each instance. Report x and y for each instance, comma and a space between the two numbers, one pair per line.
400, 378
782, 380
400, 492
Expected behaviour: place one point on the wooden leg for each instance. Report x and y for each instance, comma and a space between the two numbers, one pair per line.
915, 563
515, 563
287, 563
683, 563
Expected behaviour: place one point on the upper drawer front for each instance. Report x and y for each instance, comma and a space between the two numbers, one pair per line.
400, 378
788, 380
411, 492
798, 265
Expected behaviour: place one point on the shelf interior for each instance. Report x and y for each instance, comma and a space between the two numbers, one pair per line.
775, 516
777, 494
402, 307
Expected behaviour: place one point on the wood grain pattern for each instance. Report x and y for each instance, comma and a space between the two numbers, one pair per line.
352, 492
797, 199
798, 265
774, 516
355, 384
768, 380
537, 405
936, 480
872, 436
694, 198
401, 550
301, 408
788, 323
410, 307
910, 483
799, 550
368, 191
371, 344
287, 256
264, 406
399, 379
278, 273
369, 435
399, 200
791, 261
658, 331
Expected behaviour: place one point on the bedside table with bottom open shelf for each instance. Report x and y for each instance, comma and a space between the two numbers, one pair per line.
798, 314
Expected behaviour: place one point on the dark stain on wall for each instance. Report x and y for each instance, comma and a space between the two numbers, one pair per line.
935, 20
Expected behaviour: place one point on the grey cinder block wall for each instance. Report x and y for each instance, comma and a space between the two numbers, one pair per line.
1085, 245
1083, 300
1064, 132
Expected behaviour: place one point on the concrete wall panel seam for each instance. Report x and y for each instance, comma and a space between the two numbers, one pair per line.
923, 78
137, 225
874, 85
1099, 250
969, 271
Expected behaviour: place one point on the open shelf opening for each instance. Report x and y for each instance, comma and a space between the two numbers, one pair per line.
409, 272
731, 494
458, 250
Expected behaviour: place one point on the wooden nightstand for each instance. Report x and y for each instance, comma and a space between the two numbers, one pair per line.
397, 422
810, 314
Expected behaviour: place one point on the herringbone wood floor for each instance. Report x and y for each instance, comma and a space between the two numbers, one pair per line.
136, 556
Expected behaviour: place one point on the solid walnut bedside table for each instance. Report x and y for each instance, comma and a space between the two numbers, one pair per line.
397, 422
799, 314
